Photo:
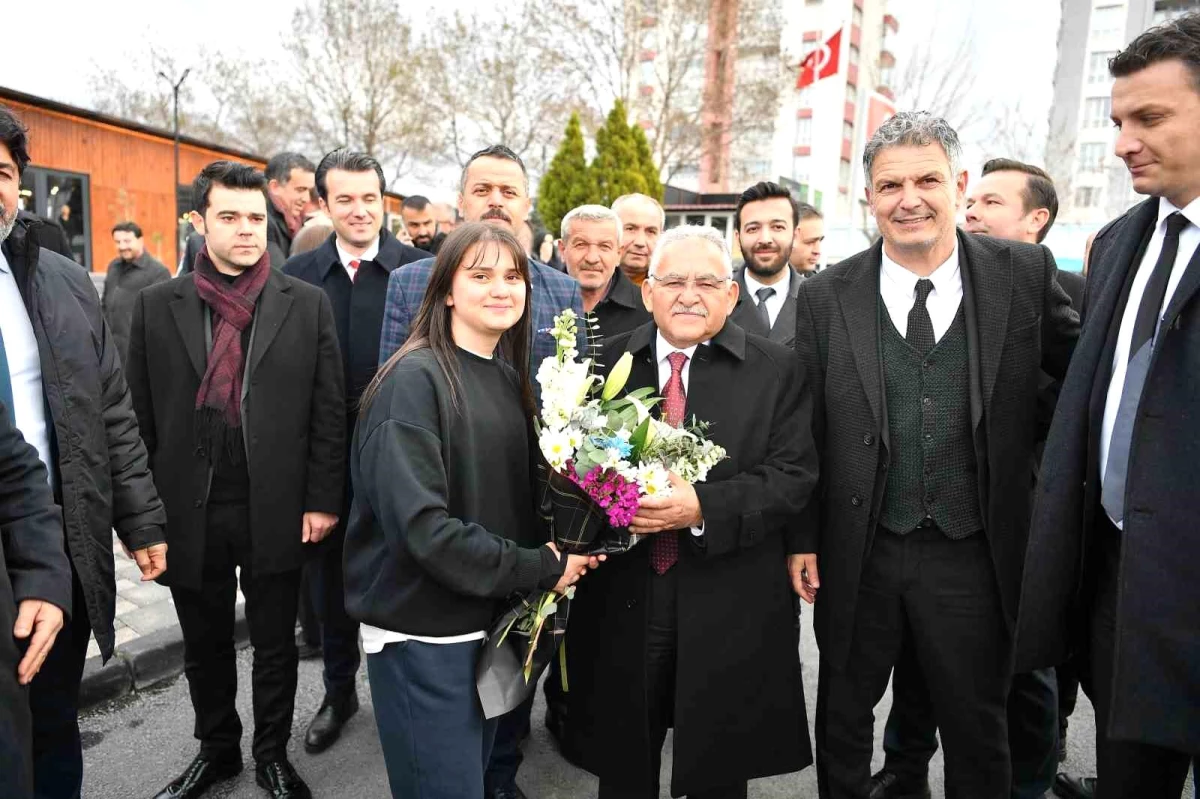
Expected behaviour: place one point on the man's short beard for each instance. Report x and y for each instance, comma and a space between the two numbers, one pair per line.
7, 223
770, 270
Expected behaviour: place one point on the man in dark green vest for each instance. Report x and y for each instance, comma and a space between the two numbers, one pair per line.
924, 355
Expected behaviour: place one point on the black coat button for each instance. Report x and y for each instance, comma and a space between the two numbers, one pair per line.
200, 453
631, 603
868, 439
198, 503
855, 500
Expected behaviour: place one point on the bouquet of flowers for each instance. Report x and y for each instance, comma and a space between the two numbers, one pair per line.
601, 456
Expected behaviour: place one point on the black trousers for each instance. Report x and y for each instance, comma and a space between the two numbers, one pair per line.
339, 632
1125, 769
54, 705
206, 617
910, 737
661, 636
939, 597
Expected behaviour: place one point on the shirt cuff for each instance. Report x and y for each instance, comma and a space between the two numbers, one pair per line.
698, 531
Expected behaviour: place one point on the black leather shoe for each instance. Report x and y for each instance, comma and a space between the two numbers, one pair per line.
327, 725
890, 785
201, 774
556, 724
1069, 787
281, 780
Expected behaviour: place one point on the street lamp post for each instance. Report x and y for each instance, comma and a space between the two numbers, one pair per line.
175, 92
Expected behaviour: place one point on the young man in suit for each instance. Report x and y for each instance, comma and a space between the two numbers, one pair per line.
352, 268
237, 382
695, 628
765, 223
925, 353
1012, 201
1111, 570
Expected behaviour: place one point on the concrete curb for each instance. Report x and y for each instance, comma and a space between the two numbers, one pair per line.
142, 663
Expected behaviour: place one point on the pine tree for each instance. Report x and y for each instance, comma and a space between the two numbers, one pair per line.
568, 182
646, 164
617, 167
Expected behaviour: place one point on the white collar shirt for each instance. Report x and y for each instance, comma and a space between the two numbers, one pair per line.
663, 349
898, 289
24, 367
775, 301
368, 255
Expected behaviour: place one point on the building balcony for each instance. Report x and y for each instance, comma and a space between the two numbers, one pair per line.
847, 149
887, 92
852, 75
649, 21
647, 55
803, 149
856, 35
645, 90
848, 112
889, 22
858, 4
812, 36
804, 113
887, 59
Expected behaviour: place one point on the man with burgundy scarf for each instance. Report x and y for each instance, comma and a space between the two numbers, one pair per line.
237, 382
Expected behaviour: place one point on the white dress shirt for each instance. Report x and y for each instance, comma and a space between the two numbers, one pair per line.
346, 257
24, 367
898, 289
1189, 238
775, 301
664, 349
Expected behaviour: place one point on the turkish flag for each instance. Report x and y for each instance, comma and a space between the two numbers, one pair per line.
822, 62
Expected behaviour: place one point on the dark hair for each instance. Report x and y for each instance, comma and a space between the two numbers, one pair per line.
495, 151
431, 327
347, 161
415, 202
13, 136
1039, 189
1178, 39
229, 174
764, 190
280, 166
806, 211
128, 227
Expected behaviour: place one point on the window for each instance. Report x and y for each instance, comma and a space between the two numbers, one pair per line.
1087, 196
853, 56
646, 75
844, 173
1098, 66
848, 131
801, 164
64, 198
851, 93
857, 17
804, 132
1097, 112
1107, 22
1091, 157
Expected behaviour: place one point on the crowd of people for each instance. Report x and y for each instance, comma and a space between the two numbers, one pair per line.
978, 469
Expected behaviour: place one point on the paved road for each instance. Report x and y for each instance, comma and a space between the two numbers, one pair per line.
136, 745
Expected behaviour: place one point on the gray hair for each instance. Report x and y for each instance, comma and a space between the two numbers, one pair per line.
913, 129
657, 204
590, 213
691, 233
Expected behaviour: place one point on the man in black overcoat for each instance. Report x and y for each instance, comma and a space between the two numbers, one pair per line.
237, 383
352, 268
924, 355
1112, 570
35, 583
695, 627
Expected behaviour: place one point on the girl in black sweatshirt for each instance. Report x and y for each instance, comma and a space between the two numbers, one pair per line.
443, 525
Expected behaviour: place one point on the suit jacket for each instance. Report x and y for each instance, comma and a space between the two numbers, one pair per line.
745, 313
1018, 318
279, 237
293, 416
552, 293
1156, 697
739, 703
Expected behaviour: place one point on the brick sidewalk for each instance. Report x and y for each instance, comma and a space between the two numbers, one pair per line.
142, 608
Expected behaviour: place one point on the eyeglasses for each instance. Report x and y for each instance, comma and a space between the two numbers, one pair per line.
705, 284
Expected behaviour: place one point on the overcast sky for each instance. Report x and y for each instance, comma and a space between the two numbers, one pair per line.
1014, 43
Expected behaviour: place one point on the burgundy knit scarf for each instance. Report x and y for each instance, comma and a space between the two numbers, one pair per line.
219, 400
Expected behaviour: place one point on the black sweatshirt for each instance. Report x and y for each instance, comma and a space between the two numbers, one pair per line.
443, 523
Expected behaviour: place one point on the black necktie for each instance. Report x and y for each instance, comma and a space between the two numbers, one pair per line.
763, 295
920, 326
1141, 347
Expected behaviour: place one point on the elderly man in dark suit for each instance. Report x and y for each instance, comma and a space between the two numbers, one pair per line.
1112, 568
35, 577
237, 382
695, 628
924, 353
352, 268
766, 220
